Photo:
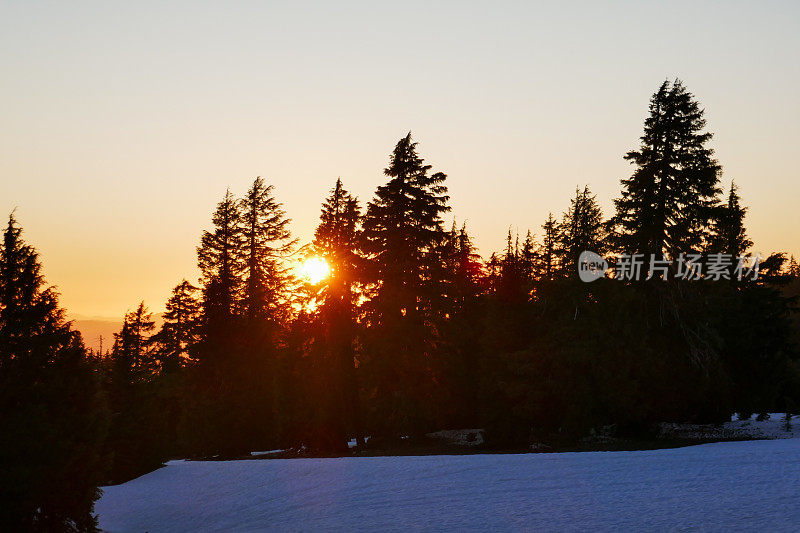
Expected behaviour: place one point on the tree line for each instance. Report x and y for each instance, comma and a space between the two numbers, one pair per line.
411, 332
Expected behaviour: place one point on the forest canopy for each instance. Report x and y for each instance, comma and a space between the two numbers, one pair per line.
394, 326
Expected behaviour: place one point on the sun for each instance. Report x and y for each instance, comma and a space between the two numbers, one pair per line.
315, 269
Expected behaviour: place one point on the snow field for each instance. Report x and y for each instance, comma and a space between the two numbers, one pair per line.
721, 486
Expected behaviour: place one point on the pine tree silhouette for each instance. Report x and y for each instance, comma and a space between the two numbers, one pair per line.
403, 232
52, 424
179, 332
666, 205
729, 233
266, 241
581, 229
547, 255
133, 352
135, 432
336, 239
219, 261
530, 258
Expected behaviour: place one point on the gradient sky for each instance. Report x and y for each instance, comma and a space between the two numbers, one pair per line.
123, 123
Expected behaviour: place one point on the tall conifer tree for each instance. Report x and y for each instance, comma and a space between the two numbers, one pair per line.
336, 241
463, 267
52, 422
179, 332
530, 257
266, 241
547, 256
217, 415
133, 351
403, 232
666, 205
730, 234
581, 229
219, 261
135, 432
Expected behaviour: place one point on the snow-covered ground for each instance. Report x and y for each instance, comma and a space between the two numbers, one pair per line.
753, 485
774, 427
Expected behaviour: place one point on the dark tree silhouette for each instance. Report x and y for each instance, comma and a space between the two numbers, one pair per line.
530, 258
666, 205
176, 351
729, 233
463, 269
402, 235
136, 433
213, 411
547, 255
410, 332
133, 352
239, 388
332, 376
266, 240
179, 332
581, 228
513, 284
464, 285
53, 422
219, 261
336, 239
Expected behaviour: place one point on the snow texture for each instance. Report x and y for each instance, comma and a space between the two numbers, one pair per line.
774, 427
266, 453
749, 485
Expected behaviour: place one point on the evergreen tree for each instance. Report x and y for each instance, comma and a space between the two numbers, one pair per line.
794, 268
179, 332
334, 378
53, 421
336, 239
513, 283
402, 237
730, 235
266, 240
581, 229
219, 261
261, 368
774, 269
175, 346
463, 267
402, 230
493, 268
547, 255
238, 389
464, 284
212, 415
133, 352
530, 258
666, 205
135, 434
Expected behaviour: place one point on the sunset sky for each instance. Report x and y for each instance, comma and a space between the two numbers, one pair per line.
123, 124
